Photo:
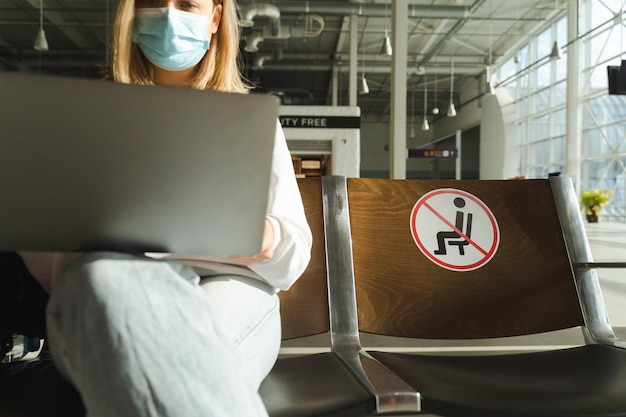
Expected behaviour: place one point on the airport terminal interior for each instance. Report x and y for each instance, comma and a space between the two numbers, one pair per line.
516, 88
425, 89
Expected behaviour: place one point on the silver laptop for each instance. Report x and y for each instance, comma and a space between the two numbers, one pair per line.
94, 165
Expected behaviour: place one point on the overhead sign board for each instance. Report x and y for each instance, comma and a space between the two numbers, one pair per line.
432, 153
321, 122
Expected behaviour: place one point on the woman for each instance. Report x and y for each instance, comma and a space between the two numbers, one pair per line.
163, 337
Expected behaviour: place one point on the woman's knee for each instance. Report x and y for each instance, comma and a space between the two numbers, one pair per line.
102, 282
93, 274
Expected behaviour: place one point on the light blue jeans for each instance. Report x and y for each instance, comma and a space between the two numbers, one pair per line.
140, 337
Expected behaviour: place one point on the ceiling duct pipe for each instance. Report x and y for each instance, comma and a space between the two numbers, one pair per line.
252, 42
473, 70
249, 12
259, 60
342, 8
294, 96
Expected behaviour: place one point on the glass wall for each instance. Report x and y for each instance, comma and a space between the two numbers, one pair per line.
604, 116
538, 85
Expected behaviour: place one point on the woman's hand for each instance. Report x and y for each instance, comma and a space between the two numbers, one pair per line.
267, 248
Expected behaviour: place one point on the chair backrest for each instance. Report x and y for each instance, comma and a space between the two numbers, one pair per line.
515, 277
304, 308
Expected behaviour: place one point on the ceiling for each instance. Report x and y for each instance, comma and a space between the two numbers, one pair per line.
303, 47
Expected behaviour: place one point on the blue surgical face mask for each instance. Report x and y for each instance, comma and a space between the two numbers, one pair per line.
170, 38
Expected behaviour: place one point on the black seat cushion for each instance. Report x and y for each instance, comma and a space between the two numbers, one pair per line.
583, 381
314, 385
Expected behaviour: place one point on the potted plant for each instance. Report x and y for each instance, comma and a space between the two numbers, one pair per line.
592, 202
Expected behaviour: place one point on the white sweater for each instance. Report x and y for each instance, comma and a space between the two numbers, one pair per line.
292, 244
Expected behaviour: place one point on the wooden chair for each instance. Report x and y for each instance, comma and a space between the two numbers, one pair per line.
537, 277
317, 384
338, 382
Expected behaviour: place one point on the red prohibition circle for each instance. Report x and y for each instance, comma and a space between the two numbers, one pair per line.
423, 204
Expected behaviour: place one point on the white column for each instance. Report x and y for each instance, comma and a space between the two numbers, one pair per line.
335, 86
354, 43
573, 110
397, 124
458, 155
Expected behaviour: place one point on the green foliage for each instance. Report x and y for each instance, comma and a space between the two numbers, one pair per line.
593, 200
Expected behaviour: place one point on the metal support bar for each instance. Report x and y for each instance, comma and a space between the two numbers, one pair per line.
597, 326
391, 392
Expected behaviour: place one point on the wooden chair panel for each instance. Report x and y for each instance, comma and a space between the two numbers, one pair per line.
527, 287
304, 307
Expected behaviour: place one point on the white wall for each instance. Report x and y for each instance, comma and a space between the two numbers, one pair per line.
364, 151
499, 138
346, 142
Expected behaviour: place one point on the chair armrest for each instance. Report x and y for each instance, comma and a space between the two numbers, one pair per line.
393, 394
599, 330
592, 265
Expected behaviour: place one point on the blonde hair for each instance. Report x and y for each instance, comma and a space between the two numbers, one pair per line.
218, 69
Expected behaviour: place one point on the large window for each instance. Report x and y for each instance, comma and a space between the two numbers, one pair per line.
604, 116
538, 86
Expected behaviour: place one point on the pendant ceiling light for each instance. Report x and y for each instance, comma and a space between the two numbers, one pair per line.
363, 87
425, 125
517, 57
451, 108
556, 51
488, 80
41, 43
490, 88
412, 133
435, 109
385, 48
